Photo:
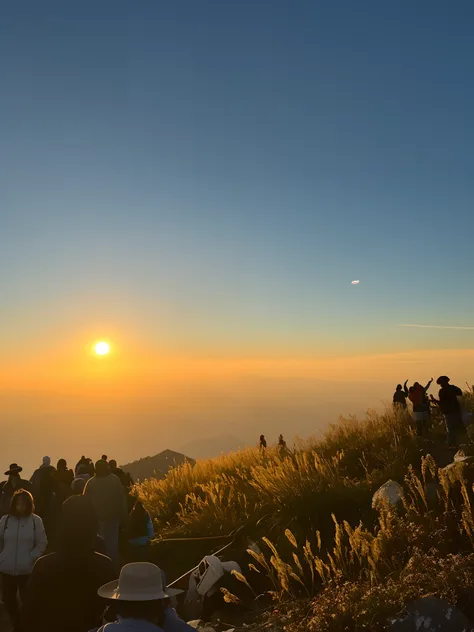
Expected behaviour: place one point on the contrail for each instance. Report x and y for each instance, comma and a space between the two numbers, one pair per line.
437, 326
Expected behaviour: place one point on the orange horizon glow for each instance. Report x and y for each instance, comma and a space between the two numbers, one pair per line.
134, 366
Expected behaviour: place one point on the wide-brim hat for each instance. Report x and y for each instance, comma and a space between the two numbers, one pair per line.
14, 469
139, 581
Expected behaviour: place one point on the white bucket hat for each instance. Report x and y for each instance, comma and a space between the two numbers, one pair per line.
139, 581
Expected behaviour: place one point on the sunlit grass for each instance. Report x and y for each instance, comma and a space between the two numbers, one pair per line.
301, 489
326, 557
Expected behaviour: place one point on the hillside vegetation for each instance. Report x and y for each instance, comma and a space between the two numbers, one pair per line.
319, 540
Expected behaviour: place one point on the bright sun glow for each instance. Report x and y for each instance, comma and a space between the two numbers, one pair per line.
102, 348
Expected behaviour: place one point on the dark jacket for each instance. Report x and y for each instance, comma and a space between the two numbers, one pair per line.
43, 487
124, 477
448, 399
107, 496
400, 397
62, 484
62, 590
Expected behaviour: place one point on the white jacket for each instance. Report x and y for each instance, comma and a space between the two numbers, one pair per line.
22, 542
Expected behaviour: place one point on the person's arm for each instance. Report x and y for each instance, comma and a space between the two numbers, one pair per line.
41, 539
405, 388
428, 385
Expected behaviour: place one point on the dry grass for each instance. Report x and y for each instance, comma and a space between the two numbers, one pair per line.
335, 475
329, 562
368, 575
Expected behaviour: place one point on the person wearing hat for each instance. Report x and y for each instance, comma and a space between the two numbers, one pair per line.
451, 408
10, 486
140, 599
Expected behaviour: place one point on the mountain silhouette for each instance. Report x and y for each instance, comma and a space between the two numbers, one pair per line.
156, 466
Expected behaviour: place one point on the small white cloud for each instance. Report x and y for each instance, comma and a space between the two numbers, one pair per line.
356, 282
435, 326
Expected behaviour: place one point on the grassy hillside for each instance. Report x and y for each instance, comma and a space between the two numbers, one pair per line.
319, 538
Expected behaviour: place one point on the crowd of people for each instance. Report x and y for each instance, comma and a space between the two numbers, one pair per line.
63, 538
449, 402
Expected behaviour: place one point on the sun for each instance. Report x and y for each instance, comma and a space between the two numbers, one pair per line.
102, 348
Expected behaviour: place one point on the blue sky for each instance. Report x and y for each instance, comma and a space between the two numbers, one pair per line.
214, 174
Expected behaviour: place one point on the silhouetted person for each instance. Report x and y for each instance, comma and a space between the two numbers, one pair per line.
451, 408
10, 486
82, 462
104, 457
107, 496
90, 467
281, 445
22, 542
62, 595
421, 407
77, 486
139, 533
263, 443
43, 492
124, 477
400, 396
63, 478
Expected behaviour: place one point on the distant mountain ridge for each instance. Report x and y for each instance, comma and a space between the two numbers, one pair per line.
156, 466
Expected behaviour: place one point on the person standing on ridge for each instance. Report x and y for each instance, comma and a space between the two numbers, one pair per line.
263, 443
421, 407
451, 408
10, 486
108, 498
400, 396
282, 445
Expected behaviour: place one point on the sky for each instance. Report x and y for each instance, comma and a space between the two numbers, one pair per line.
198, 183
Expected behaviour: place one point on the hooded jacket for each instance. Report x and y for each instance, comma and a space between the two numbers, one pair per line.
22, 542
107, 495
62, 590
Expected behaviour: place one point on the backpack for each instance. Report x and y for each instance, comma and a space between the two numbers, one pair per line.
138, 522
